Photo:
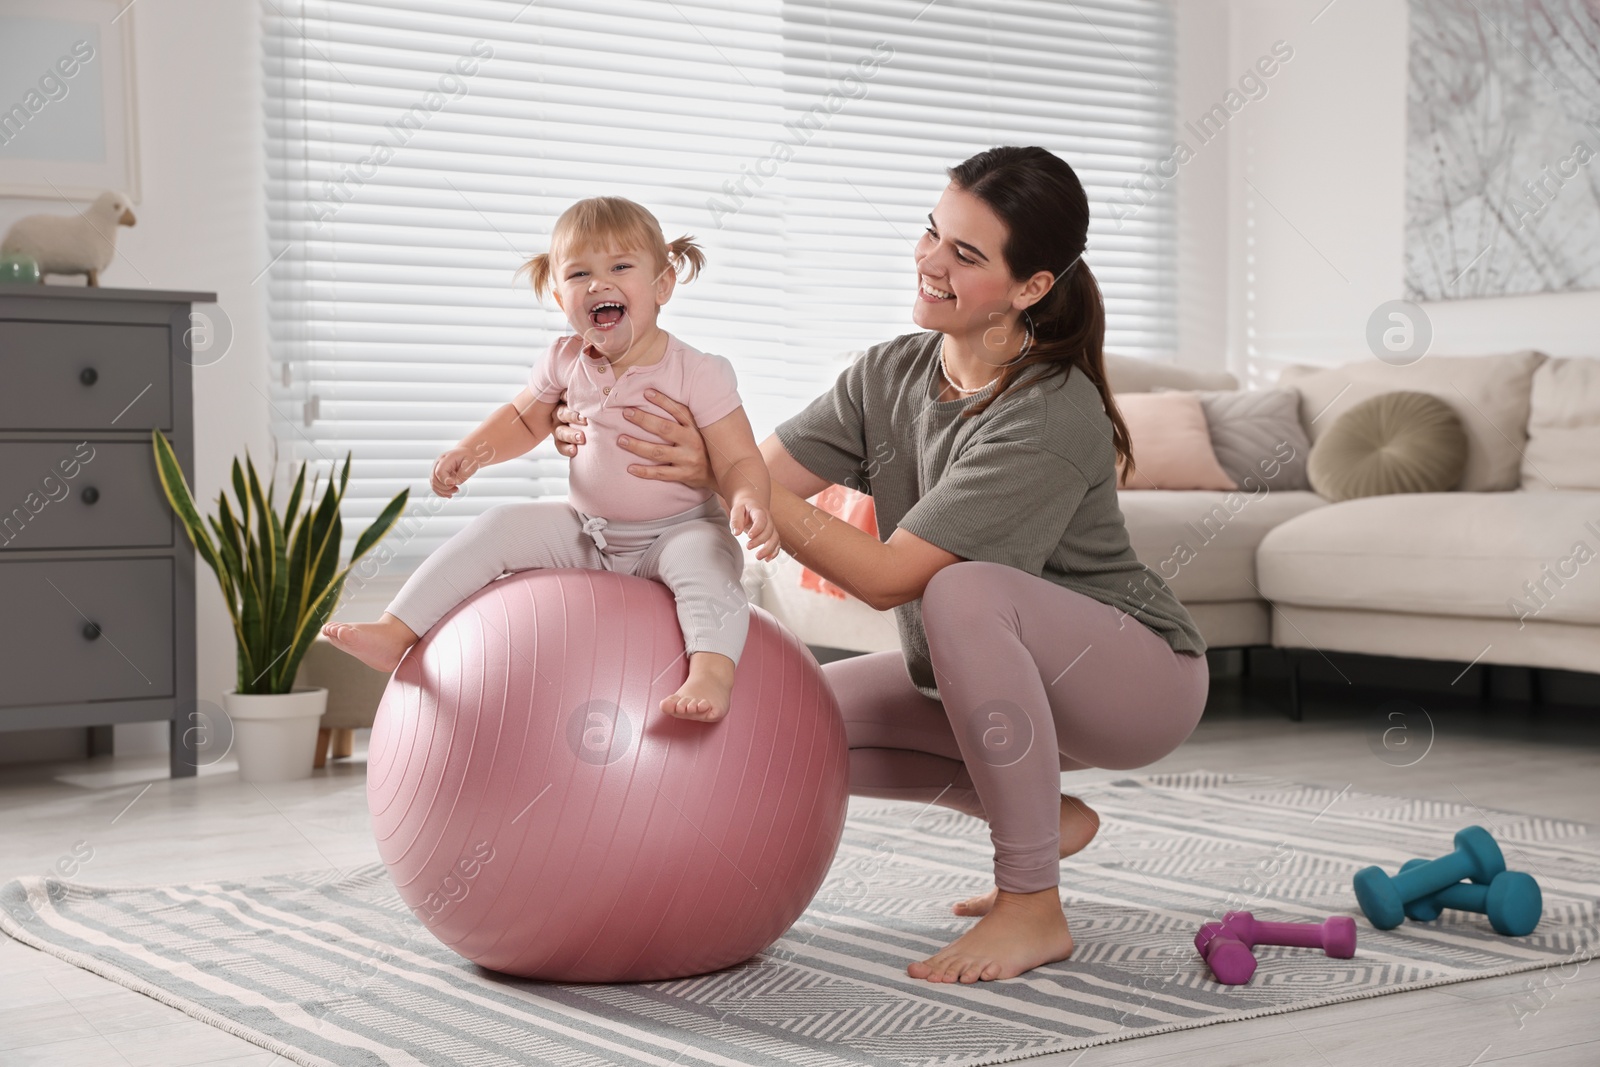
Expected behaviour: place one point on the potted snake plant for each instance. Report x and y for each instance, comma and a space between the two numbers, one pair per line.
281, 578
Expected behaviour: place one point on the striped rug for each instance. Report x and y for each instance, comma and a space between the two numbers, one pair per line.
329, 968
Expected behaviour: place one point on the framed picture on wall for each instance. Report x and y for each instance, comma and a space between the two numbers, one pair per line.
1502, 194
67, 108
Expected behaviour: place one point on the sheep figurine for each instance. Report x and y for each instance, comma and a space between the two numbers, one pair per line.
71, 244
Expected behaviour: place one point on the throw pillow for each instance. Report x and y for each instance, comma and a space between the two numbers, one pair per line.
1489, 393
1171, 445
1398, 442
1564, 426
1257, 436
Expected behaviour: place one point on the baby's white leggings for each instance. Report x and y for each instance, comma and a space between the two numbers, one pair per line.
693, 553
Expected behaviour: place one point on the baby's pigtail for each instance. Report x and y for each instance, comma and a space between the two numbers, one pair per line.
685, 255
538, 271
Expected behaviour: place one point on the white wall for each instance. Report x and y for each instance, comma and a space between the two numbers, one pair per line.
201, 226
1319, 184
1204, 73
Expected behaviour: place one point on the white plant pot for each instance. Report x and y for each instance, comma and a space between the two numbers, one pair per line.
275, 734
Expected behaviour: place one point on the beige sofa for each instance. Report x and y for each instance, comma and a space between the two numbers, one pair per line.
1429, 576
1504, 570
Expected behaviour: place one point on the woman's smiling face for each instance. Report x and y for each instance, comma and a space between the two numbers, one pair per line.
963, 282
611, 296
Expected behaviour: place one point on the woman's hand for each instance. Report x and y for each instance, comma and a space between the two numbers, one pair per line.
682, 459
568, 436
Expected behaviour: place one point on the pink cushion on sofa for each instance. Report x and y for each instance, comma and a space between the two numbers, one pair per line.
1171, 444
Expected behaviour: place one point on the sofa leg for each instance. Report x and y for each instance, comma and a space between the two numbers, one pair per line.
1292, 661
324, 735
344, 744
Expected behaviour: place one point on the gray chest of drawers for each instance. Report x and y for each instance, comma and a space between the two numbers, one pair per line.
96, 573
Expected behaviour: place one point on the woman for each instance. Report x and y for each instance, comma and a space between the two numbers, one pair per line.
1033, 640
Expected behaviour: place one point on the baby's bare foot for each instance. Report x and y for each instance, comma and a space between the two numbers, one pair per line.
705, 693
379, 645
1079, 824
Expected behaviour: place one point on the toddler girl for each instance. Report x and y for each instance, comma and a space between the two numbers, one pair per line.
610, 271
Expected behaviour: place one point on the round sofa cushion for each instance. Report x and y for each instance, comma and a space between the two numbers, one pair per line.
1399, 442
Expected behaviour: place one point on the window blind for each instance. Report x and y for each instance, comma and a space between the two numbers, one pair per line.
1092, 82
420, 150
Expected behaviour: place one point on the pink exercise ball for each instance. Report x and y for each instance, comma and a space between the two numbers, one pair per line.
544, 818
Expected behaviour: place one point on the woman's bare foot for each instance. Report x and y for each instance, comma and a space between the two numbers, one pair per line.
377, 644
704, 694
1079, 824
1022, 931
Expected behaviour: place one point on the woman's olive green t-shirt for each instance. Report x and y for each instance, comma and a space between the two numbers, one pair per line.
1031, 482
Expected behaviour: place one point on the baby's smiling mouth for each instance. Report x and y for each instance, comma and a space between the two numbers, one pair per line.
606, 314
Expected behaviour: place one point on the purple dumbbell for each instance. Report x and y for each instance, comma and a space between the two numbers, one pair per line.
1230, 960
1335, 936
1226, 946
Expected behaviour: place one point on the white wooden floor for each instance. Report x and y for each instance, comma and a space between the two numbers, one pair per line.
142, 827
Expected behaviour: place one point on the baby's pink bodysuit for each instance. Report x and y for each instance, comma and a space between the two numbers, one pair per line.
599, 482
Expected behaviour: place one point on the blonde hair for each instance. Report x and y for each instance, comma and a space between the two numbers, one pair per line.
618, 222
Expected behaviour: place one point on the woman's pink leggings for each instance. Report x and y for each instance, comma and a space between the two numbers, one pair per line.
1036, 679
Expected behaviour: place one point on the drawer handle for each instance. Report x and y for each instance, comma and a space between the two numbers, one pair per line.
90, 494
88, 376
91, 631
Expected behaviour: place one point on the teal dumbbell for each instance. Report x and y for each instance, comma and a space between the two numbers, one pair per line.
1383, 898
1512, 901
